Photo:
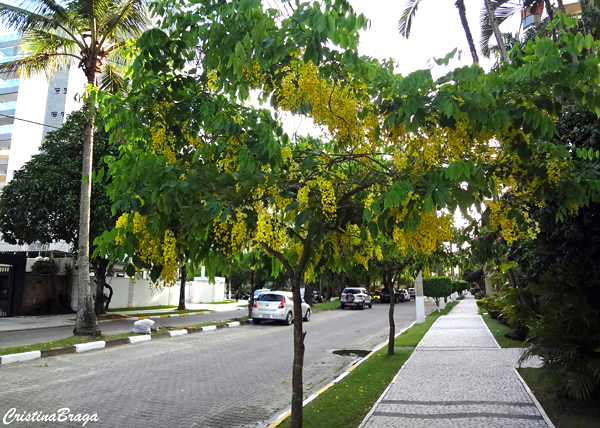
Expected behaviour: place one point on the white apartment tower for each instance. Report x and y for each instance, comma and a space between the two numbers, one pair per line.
30, 108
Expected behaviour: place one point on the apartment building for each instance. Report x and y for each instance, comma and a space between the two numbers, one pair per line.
30, 108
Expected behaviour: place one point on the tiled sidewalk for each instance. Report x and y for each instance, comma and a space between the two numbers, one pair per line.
457, 377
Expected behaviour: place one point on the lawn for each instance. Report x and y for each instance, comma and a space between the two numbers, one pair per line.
358, 392
563, 413
326, 305
499, 331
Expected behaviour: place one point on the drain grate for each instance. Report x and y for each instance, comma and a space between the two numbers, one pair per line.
352, 352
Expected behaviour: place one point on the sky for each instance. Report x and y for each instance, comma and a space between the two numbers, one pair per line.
436, 31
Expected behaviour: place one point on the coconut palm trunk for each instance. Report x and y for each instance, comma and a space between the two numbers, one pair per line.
496, 28
462, 11
86, 323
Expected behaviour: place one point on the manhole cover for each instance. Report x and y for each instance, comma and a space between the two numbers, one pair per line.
352, 352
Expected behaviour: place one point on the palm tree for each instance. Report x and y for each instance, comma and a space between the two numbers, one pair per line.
86, 33
501, 10
406, 19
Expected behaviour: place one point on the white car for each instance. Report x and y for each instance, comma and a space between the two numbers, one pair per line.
355, 297
277, 305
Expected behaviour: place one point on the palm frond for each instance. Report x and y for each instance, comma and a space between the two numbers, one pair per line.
406, 19
503, 9
111, 79
129, 19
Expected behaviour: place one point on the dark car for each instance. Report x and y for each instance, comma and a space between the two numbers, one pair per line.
384, 295
317, 298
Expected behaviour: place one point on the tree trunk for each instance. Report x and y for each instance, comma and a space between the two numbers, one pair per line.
561, 7
181, 306
99, 265
252, 287
392, 335
297, 387
496, 28
440, 269
460, 5
86, 323
308, 294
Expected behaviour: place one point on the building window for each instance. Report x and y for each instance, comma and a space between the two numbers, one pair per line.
62, 114
54, 114
65, 91
57, 90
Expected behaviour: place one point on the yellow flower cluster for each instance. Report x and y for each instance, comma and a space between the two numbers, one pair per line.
303, 198
433, 230
255, 76
328, 199
508, 228
163, 141
169, 262
270, 230
122, 222
231, 235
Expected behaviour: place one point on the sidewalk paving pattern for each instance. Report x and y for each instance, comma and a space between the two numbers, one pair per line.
457, 377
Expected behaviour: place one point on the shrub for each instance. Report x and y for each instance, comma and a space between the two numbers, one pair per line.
437, 287
45, 266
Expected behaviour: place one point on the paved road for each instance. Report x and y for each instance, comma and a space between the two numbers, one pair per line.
237, 377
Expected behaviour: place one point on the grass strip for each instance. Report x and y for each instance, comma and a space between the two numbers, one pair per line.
154, 314
326, 305
142, 308
346, 404
221, 303
499, 331
75, 340
61, 343
562, 412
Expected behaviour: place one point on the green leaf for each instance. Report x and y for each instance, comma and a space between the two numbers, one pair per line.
292, 206
374, 230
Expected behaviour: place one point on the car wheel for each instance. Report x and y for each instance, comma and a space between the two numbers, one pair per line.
255, 321
342, 306
362, 307
288, 319
307, 316
371, 304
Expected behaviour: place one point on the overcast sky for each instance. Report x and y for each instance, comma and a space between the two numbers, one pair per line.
436, 31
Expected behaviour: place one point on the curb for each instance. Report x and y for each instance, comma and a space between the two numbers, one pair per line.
282, 417
84, 347
535, 401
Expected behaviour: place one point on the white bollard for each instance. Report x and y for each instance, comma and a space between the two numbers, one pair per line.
419, 299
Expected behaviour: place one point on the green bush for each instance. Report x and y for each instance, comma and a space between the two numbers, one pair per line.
459, 286
437, 287
45, 266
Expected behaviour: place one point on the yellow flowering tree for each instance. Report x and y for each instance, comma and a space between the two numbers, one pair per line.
394, 156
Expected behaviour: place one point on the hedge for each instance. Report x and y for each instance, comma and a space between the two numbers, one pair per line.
437, 287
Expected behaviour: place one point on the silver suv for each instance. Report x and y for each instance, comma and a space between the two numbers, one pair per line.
355, 297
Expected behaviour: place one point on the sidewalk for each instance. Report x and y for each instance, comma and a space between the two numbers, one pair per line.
458, 377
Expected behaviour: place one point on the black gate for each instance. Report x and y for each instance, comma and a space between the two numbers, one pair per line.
6, 290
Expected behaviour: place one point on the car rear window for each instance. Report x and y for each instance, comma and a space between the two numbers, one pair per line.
351, 291
270, 297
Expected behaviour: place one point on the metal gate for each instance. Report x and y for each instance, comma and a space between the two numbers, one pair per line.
6, 289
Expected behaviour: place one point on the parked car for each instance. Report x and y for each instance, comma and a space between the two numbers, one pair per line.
317, 298
411, 293
258, 292
355, 297
400, 295
405, 296
278, 306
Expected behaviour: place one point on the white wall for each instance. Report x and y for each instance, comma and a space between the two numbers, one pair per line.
200, 291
